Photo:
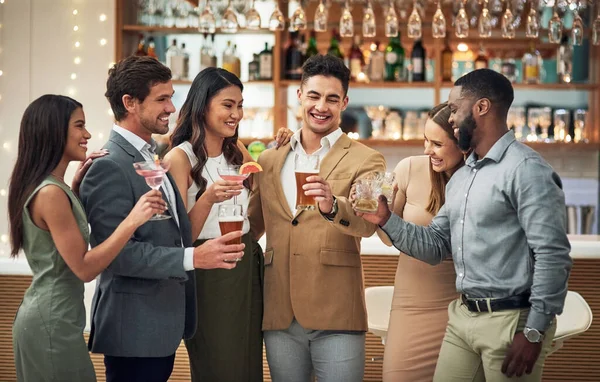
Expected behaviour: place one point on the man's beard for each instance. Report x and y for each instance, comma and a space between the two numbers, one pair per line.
465, 133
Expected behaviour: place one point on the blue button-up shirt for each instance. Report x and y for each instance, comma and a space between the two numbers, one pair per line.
504, 224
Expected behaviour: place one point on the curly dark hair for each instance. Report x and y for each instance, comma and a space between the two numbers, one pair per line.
328, 66
487, 83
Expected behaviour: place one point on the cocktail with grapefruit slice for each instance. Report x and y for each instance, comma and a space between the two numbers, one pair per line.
238, 173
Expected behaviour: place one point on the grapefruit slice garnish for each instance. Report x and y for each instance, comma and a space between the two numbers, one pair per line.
250, 168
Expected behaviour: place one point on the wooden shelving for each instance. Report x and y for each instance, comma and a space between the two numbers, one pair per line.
571, 86
126, 42
246, 83
167, 30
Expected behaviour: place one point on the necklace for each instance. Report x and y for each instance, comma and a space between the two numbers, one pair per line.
217, 161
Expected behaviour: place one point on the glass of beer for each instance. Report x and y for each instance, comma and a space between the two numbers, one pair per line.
305, 166
231, 218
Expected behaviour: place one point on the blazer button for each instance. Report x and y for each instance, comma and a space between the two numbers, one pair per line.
294, 222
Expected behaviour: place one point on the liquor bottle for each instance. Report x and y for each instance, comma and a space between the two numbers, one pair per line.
311, 49
237, 63
376, 63
417, 58
205, 54
394, 60
357, 60
564, 61
173, 61
152, 48
293, 59
508, 67
213, 51
185, 74
141, 49
334, 45
266, 63
253, 68
481, 61
228, 59
447, 61
532, 64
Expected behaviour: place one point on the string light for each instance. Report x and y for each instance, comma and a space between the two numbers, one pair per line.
103, 42
77, 44
77, 60
73, 76
75, 28
103, 17
3, 192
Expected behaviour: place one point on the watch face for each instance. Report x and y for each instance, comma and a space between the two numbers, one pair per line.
532, 335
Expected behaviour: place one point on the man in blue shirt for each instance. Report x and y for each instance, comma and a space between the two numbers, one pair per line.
504, 225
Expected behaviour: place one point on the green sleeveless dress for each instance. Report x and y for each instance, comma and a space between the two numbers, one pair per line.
48, 338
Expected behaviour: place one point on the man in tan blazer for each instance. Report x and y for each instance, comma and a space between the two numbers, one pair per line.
314, 304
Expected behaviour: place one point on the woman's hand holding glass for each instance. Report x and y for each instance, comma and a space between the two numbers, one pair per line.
222, 190
149, 204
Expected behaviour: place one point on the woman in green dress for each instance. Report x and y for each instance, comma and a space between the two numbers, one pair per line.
48, 222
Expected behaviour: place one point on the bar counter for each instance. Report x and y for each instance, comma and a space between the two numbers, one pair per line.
578, 360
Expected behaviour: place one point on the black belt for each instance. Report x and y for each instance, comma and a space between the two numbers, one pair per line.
496, 304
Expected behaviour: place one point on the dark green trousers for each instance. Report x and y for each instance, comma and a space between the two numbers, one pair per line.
228, 343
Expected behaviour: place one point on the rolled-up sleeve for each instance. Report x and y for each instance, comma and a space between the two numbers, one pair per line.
430, 244
536, 192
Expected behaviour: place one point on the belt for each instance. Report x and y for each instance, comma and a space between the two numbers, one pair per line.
496, 304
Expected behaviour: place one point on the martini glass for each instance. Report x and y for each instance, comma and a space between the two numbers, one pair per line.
232, 174
153, 172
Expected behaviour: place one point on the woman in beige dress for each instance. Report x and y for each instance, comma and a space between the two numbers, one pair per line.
422, 292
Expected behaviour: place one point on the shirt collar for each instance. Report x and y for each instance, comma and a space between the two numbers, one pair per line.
496, 152
327, 141
135, 140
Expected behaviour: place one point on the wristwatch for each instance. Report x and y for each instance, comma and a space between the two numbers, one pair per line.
334, 210
533, 335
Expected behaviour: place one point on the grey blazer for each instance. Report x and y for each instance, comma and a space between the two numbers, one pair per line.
144, 302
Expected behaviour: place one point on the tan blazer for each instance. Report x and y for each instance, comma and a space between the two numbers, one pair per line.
313, 269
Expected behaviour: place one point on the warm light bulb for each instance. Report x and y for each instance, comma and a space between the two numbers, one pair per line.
1, 72
4, 238
77, 60
111, 65
71, 91
462, 47
75, 12
0, 97
3, 192
75, 28
77, 44
6, 145
100, 135
103, 42
103, 17
73, 76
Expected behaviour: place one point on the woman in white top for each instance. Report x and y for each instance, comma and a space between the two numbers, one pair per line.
227, 345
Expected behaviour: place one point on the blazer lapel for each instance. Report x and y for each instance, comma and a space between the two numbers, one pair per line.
334, 156
280, 158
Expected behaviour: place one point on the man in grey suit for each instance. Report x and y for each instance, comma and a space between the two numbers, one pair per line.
145, 300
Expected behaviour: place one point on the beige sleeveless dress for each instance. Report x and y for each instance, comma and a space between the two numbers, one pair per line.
422, 292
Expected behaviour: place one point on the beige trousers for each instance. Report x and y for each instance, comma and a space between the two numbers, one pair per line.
476, 343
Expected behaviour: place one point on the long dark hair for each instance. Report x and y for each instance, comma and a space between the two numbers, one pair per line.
440, 115
191, 124
42, 140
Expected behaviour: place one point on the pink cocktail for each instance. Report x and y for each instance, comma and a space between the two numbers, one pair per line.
232, 174
153, 172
